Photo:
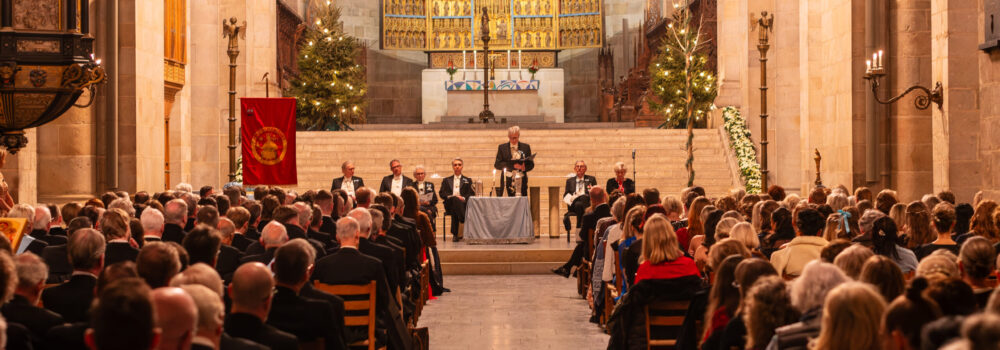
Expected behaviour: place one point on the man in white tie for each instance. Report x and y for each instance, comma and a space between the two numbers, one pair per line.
396, 181
575, 195
427, 196
349, 183
454, 190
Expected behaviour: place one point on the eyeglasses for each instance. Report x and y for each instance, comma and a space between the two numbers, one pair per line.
396, 166
419, 173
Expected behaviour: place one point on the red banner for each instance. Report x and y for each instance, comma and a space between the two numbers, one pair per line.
268, 136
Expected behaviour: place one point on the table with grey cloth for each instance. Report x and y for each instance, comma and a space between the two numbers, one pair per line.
498, 220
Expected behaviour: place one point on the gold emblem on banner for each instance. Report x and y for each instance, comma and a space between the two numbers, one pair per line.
268, 146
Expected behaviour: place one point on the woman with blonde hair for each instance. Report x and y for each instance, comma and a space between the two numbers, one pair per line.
661, 257
832, 227
898, 214
745, 233
852, 317
631, 233
695, 226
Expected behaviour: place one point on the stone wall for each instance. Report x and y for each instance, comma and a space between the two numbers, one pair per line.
909, 57
989, 121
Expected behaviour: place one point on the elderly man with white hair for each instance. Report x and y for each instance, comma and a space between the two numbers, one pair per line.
272, 237
367, 246
174, 217
41, 224
23, 309
28, 243
363, 268
211, 313
152, 225
514, 159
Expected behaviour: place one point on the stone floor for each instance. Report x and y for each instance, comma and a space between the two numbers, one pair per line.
511, 312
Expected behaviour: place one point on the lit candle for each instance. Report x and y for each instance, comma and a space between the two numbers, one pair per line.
475, 60
463, 59
868, 66
875, 60
508, 59
880, 65
518, 59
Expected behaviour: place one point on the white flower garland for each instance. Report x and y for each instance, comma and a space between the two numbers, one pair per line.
742, 145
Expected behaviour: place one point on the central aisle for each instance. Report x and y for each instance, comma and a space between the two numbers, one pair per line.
511, 312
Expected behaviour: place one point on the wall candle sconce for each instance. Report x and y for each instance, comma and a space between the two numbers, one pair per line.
875, 70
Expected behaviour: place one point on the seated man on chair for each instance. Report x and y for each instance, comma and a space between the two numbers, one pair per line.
455, 190
601, 210
426, 195
576, 194
396, 181
348, 182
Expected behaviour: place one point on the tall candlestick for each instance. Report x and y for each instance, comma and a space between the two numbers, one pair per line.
508, 60
475, 60
518, 59
463, 60
880, 59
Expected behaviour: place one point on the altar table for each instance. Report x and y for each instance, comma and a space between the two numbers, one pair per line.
498, 220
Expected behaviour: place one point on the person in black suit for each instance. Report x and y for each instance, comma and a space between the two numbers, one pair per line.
273, 236
22, 309
229, 256
367, 246
114, 225
455, 190
328, 202
363, 269
507, 154
175, 217
72, 299
41, 225
601, 210
123, 319
621, 183
251, 294
308, 319
240, 217
576, 194
395, 182
353, 183
209, 333
425, 189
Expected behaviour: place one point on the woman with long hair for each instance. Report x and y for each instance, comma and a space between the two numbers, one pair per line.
661, 257
885, 275
782, 231
768, 306
885, 242
982, 223
748, 271
631, 233
852, 316
723, 298
695, 226
918, 225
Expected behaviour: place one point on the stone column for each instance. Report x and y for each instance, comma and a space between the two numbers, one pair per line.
954, 38
140, 100
785, 110
67, 151
208, 82
989, 122
734, 22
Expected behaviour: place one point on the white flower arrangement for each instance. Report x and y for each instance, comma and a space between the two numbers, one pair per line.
743, 147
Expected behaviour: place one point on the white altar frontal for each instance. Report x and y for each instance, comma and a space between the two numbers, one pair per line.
513, 93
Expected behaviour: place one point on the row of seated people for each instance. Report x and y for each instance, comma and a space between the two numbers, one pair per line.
772, 271
257, 277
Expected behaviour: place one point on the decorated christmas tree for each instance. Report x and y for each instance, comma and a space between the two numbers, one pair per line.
684, 90
679, 80
330, 86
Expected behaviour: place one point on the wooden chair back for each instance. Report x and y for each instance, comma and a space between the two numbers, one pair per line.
667, 315
359, 307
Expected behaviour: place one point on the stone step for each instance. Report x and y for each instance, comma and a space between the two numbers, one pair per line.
515, 259
506, 268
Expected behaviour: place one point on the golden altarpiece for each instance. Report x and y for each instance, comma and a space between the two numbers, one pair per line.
537, 29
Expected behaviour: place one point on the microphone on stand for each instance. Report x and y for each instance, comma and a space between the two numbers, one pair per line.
634, 179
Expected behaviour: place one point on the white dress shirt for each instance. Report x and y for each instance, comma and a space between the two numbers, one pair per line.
456, 186
348, 185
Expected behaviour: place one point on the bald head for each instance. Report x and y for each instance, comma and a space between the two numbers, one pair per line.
177, 317
273, 235
251, 289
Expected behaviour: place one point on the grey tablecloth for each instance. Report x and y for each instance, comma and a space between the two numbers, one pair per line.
498, 220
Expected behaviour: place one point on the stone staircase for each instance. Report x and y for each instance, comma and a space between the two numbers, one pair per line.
487, 261
659, 160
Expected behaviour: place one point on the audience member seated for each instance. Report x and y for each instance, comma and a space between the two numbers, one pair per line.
310, 320
747, 272
885, 242
42, 224
123, 317
852, 316
175, 218
940, 264
240, 218
271, 237
152, 225
251, 294
943, 217
807, 294
630, 245
852, 259
781, 232
22, 309
982, 223
72, 299
57, 257
723, 297
790, 260
176, 317
114, 226
157, 263
599, 199
906, 316
885, 275
28, 243
768, 306
918, 231
976, 263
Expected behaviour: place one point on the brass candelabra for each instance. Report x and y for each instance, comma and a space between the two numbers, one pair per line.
874, 72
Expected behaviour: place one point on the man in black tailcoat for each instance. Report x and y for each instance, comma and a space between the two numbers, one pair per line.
455, 190
576, 194
508, 156
396, 181
353, 183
